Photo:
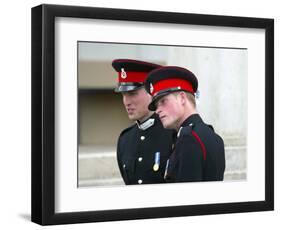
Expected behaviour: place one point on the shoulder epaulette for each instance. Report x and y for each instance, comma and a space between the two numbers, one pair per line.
184, 130
188, 130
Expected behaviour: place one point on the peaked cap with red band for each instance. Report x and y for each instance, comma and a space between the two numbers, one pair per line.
168, 79
131, 73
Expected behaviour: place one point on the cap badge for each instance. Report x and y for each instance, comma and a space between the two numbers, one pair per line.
151, 88
123, 73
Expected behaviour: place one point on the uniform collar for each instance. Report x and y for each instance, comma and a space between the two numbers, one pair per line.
192, 120
147, 123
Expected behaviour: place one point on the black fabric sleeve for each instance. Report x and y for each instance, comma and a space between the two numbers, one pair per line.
120, 165
190, 160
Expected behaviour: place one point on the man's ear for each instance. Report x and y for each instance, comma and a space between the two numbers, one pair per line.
182, 97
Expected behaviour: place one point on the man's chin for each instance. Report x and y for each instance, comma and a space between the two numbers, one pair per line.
167, 125
132, 117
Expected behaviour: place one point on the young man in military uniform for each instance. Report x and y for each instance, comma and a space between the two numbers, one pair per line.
199, 152
142, 149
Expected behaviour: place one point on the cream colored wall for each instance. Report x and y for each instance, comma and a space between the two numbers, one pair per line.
96, 74
101, 118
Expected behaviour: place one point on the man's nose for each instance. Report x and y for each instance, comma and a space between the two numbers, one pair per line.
126, 100
158, 110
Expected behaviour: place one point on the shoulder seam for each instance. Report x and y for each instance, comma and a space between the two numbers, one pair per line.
202, 146
127, 129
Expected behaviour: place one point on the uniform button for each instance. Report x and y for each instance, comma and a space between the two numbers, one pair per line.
140, 181
140, 159
142, 138
124, 166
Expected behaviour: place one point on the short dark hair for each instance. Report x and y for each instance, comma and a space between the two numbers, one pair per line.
191, 98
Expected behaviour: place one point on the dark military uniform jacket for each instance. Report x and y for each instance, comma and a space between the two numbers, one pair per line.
141, 148
198, 154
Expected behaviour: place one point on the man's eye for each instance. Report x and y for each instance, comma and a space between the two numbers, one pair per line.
162, 101
133, 93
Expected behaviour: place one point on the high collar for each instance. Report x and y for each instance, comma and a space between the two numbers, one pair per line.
147, 123
192, 120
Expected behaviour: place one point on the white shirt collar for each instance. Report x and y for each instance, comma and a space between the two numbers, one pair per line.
147, 124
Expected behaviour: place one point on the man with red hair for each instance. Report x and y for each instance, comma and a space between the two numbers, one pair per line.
199, 152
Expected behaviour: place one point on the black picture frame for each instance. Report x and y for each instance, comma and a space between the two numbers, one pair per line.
43, 114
